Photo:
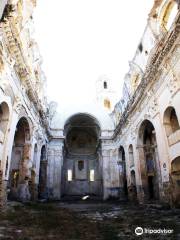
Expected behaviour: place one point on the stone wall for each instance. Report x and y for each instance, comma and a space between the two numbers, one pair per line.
21, 99
138, 160
157, 91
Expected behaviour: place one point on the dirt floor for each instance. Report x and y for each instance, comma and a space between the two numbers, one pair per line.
87, 220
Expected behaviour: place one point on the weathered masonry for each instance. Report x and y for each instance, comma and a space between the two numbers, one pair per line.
131, 152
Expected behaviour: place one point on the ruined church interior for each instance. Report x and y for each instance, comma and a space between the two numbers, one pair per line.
105, 170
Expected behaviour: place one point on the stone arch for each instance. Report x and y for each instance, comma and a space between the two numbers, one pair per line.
42, 189
149, 161
20, 158
77, 115
131, 155
81, 171
170, 121
23, 115
122, 173
175, 181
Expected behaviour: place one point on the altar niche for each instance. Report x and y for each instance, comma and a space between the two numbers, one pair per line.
82, 168
149, 161
19, 173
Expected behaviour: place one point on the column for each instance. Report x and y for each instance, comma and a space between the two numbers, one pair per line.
55, 158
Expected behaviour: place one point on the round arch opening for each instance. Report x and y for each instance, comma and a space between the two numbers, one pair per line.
149, 162
19, 173
82, 168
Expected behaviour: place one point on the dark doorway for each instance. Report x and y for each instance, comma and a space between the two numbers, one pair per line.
81, 171
151, 187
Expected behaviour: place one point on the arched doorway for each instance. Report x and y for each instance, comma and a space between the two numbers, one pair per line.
122, 174
175, 181
81, 171
42, 190
149, 163
19, 170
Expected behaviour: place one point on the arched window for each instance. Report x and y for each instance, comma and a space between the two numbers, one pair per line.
174, 121
107, 104
105, 85
140, 47
168, 14
175, 166
135, 80
170, 121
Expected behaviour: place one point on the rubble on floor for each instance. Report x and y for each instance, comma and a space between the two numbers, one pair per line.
85, 220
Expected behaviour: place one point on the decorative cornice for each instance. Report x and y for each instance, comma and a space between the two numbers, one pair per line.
10, 26
150, 75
